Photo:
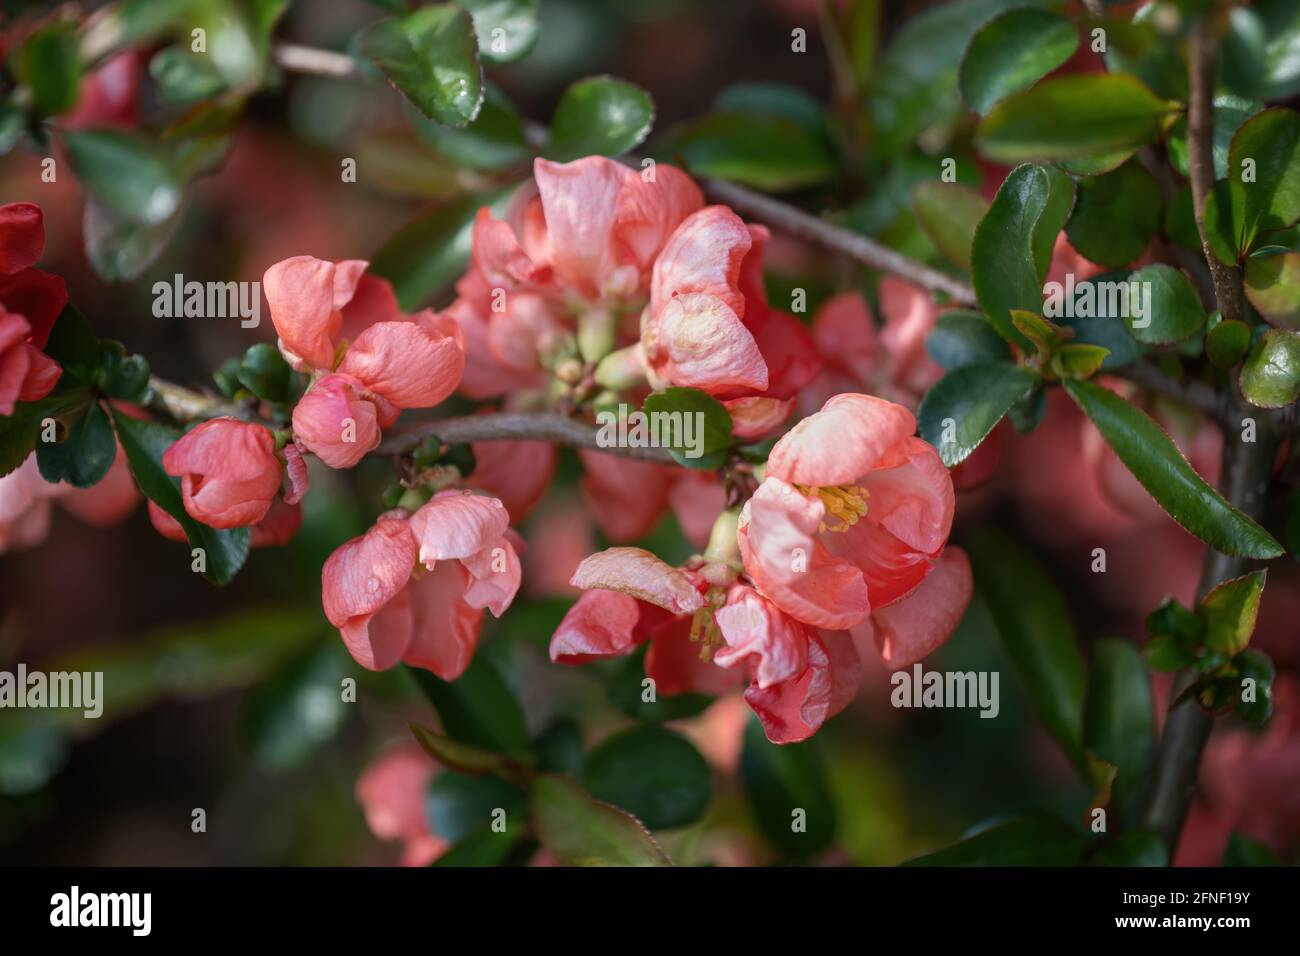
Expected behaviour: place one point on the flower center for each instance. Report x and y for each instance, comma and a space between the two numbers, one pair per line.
704, 626
845, 504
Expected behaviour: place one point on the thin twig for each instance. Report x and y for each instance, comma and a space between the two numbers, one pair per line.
513, 426
1194, 394
316, 62
186, 405
800, 224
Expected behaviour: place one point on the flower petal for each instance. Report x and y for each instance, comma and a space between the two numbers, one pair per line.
599, 624
913, 628
22, 236
445, 629
405, 363
301, 294
842, 442
457, 523
756, 628
697, 340
637, 572
794, 710
580, 200
703, 255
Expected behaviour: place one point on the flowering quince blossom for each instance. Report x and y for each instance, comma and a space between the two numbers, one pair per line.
229, 472
413, 587
368, 359
391, 792
30, 302
852, 517
26, 501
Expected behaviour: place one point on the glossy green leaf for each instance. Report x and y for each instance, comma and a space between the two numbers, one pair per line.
582, 831
786, 784
1013, 244
1254, 687
656, 775
774, 99
963, 337
495, 140
770, 153
477, 708
1229, 113
73, 344
467, 758
507, 29
966, 404
1273, 287
121, 250
265, 373
457, 806
1116, 215
699, 426
1229, 612
1270, 378
84, 455
1264, 160
1133, 848
1227, 343
1034, 624
183, 76
431, 56
1075, 115
1118, 718
145, 443
1032, 840
949, 213
484, 847
1161, 468
120, 375
1173, 308
601, 116
1012, 52
126, 173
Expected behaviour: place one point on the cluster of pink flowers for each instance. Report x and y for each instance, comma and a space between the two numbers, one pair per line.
602, 284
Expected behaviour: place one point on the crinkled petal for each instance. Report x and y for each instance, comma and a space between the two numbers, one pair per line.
304, 307
703, 255
364, 574
599, 624
405, 363
794, 710
457, 523
637, 572
696, 340
843, 441
757, 629
911, 629
495, 573
580, 200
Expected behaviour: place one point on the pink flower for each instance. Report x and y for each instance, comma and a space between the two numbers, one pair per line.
340, 420
26, 500
851, 515
26, 373
281, 523
30, 302
108, 94
627, 498
321, 309
413, 587
229, 472
391, 792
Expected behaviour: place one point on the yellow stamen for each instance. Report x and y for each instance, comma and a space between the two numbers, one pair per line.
704, 627
845, 505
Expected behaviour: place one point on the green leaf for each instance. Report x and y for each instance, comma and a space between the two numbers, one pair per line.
1077, 360
1256, 667
602, 116
120, 375
265, 373
483, 847
1036, 630
507, 29
145, 443
457, 806
284, 721
1270, 142
427, 255
1115, 216
84, 455
1227, 343
126, 173
1173, 307
1013, 244
1157, 463
1229, 113
1167, 654
770, 153
1108, 297
654, 774
431, 56
774, 99
1273, 287
582, 831
477, 708
963, 337
120, 249
1225, 221
949, 213
1133, 848
73, 344
495, 140
966, 404
468, 759
1243, 851
1118, 718
50, 66
183, 76
1012, 52
693, 424
1271, 376
785, 783
1071, 116
1032, 840
1229, 613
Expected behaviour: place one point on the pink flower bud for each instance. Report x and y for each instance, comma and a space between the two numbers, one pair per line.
229, 472
339, 421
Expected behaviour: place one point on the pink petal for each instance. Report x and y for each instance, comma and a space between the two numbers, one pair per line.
703, 255
911, 629
580, 201
445, 628
405, 363
517, 472
42, 375
457, 523
22, 236
335, 409
599, 624
757, 629
625, 497
845, 335
295, 468
38, 297
498, 254
794, 710
637, 572
697, 498
494, 577
372, 301
301, 294
361, 577
781, 550
391, 792
755, 416
674, 663
229, 472
697, 340
842, 442
648, 212
787, 348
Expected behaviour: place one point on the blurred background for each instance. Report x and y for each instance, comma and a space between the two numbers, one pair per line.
227, 699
